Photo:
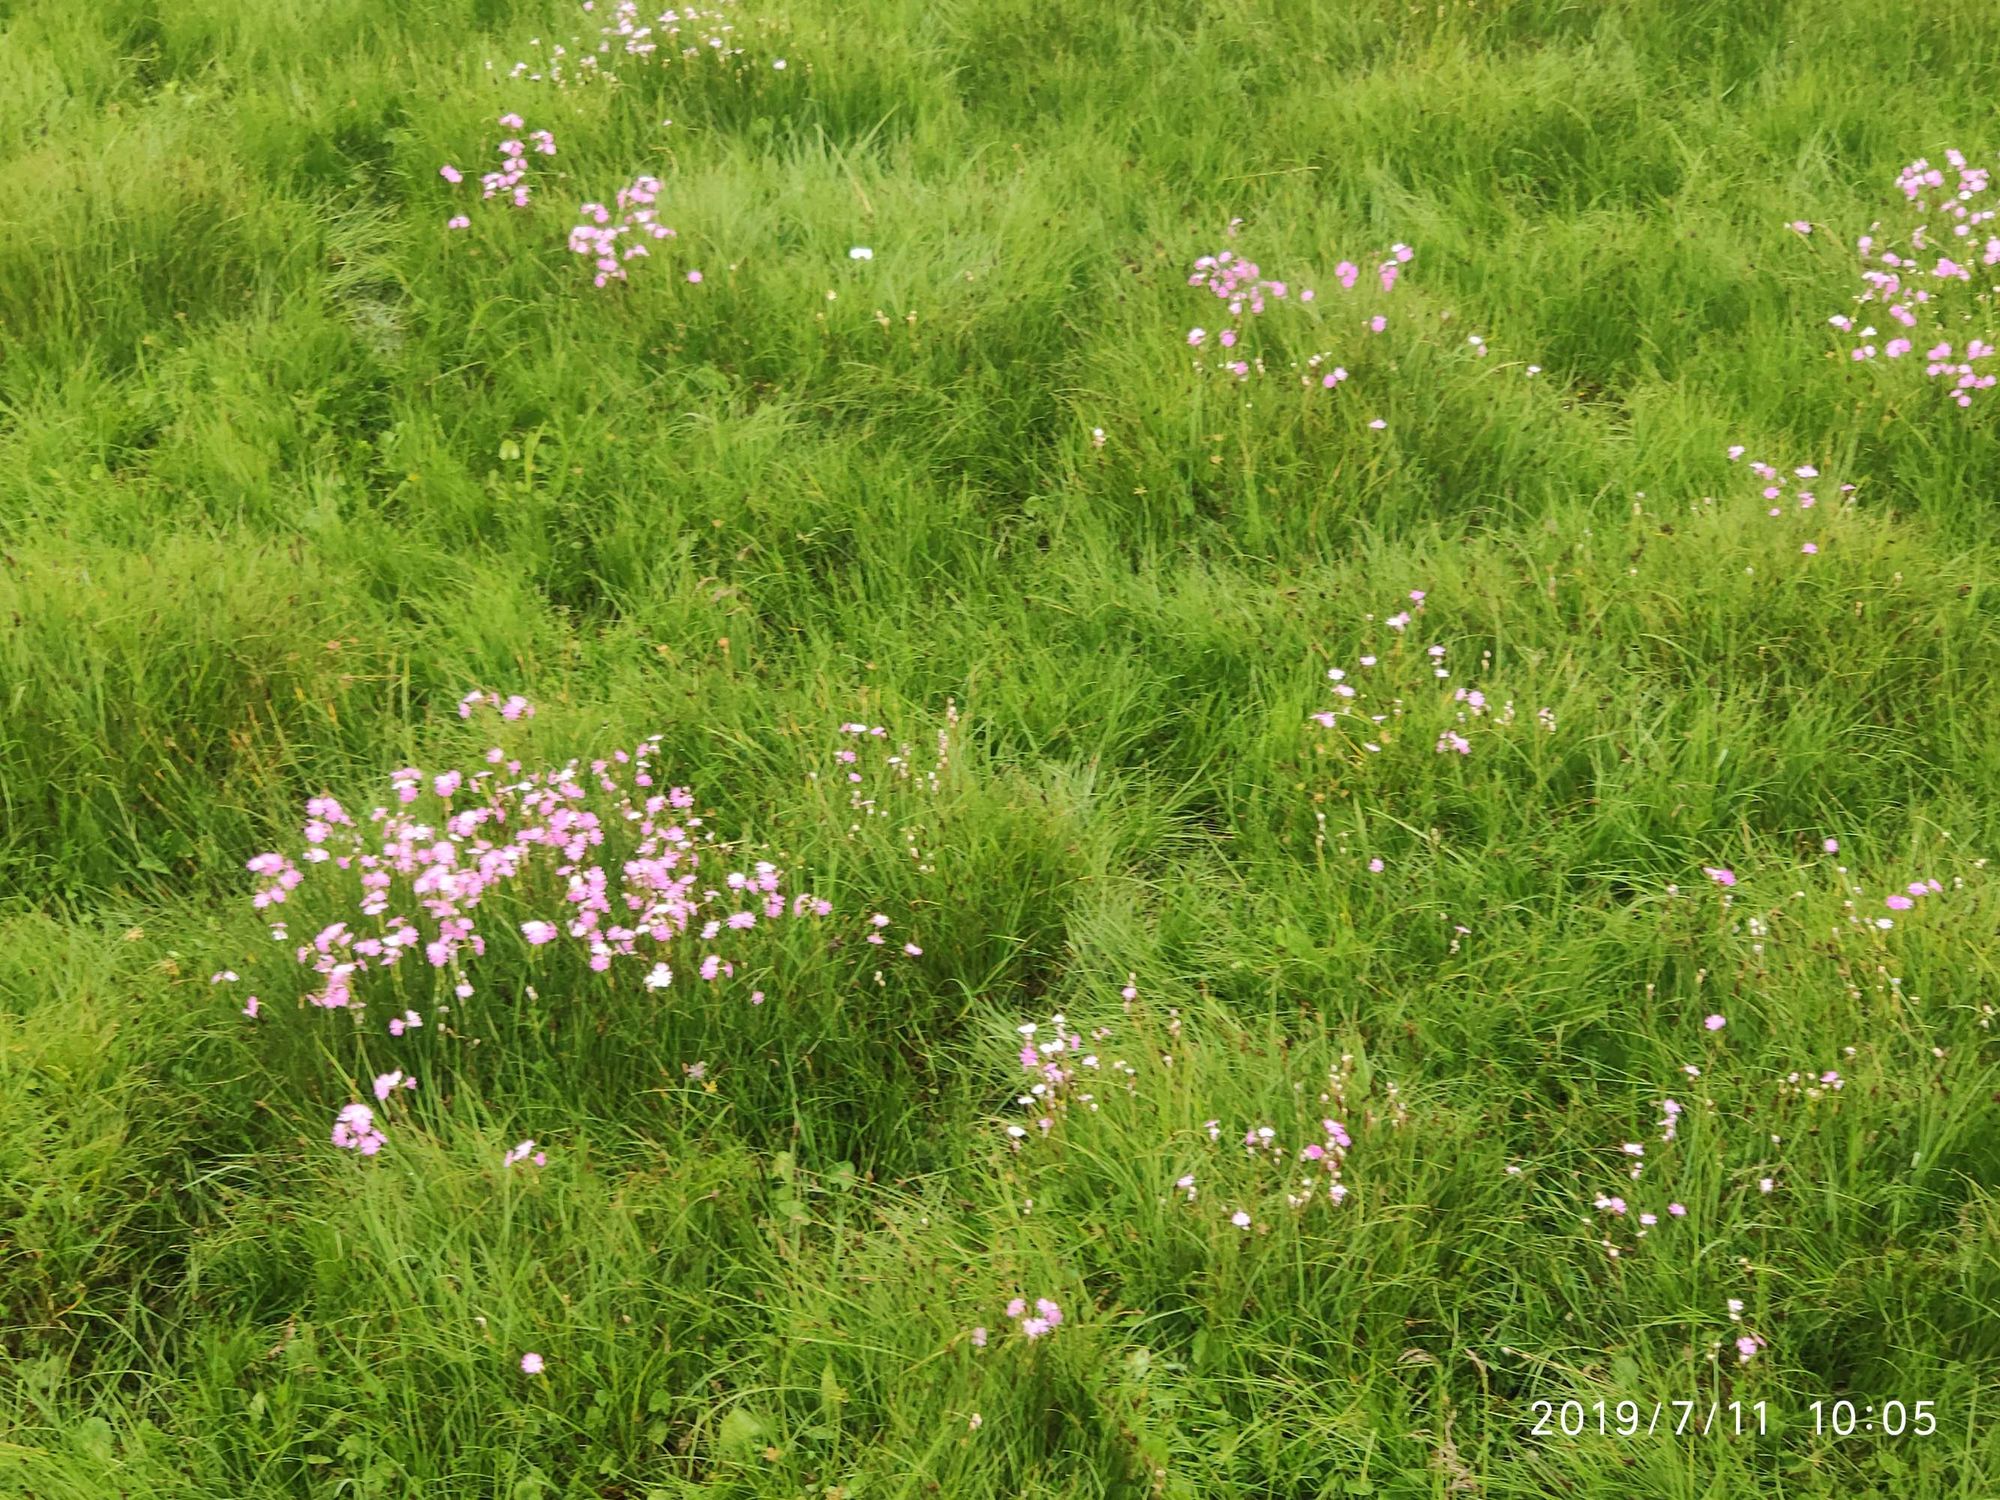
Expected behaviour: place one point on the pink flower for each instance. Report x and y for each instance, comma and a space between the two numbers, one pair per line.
1677, 1210
531, 1363
451, 174
354, 1130
1715, 1023
979, 1337
539, 933
1719, 875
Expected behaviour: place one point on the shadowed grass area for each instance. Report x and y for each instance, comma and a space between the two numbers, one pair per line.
1427, 750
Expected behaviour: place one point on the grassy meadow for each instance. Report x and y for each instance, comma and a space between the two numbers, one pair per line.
1275, 918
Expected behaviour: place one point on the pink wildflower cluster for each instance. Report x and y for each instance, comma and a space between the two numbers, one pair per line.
1908, 897
1748, 1344
1311, 1173
282, 876
882, 777
512, 707
1046, 1317
1057, 1061
1904, 899
599, 235
1320, 1161
1245, 292
354, 1129
604, 860
1776, 487
1633, 1154
682, 33
1923, 276
511, 180
1811, 1086
1635, 1162
1463, 709
899, 766
421, 875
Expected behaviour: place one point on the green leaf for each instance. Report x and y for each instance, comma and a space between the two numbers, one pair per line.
94, 1436
740, 1431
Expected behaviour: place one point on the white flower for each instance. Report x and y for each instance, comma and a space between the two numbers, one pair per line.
860, 252
660, 978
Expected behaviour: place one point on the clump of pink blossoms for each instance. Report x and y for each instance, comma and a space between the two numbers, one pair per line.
1045, 1319
636, 221
1246, 293
1931, 274
682, 33
1464, 711
1057, 1060
354, 1129
607, 861
511, 181
417, 876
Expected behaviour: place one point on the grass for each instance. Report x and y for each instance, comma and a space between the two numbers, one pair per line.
286, 468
